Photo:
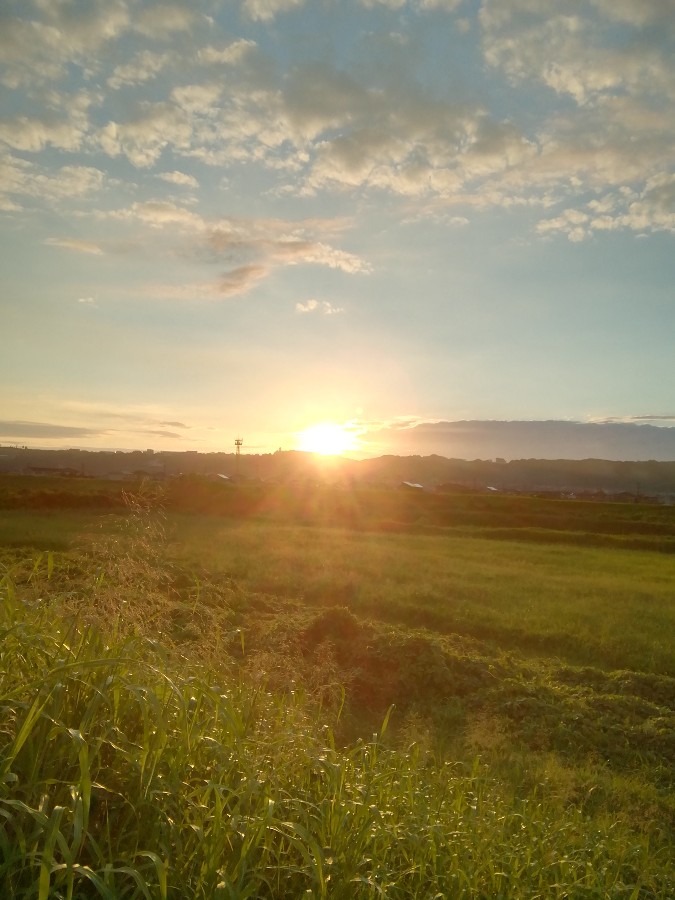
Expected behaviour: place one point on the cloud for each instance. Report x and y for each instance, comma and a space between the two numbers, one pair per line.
79, 246
30, 134
241, 279
143, 138
266, 10
294, 252
21, 178
652, 209
320, 128
669, 418
180, 178
145, 66
251, 248
447, 5
21, 429
164, 19
39, 50
160, 433
261, 245
229, 54
572, 51
318, 306
639, 13
391, 4
132, 416
638, 419
161, 214
523, 439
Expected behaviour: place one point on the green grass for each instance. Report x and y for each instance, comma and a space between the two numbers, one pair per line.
125, 775
195, 707
644, 525
42, 530
606, 608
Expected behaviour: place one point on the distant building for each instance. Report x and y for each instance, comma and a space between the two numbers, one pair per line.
53, 471
410, 486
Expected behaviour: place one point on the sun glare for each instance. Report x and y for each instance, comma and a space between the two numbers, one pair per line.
328, 439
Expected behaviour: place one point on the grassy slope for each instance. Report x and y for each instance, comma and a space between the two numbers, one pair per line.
503, 651
610, 609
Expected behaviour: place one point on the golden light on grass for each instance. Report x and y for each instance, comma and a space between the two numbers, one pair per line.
327, 438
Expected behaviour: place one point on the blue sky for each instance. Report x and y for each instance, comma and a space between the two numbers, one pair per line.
246, 218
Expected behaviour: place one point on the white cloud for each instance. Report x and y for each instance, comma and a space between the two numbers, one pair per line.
391, 4
323, 255
161, 214
266, 10
79, 246
639, 12
180, 178
241, 279
164, 19
448, 5
252, 249
31, 135
572, 222
309, 306
197, 98
329, 129
229, 54
20, 178
651, 209
144, 67
574, 51
322, 307
279, 243
142, 139
36, 51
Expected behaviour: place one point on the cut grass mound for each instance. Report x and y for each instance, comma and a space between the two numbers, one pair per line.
625, 720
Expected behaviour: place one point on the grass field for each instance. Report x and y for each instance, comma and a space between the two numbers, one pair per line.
204, 706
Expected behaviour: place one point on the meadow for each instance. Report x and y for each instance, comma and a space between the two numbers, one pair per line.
267, 705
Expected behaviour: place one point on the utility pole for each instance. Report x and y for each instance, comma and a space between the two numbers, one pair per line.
238, 444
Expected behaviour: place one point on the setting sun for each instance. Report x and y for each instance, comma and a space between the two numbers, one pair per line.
327, 438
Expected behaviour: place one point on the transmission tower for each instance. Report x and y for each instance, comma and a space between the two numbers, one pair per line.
238, 444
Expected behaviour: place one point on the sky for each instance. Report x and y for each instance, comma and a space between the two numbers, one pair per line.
248, 218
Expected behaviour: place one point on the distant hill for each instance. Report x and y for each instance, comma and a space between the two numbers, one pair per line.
638, 477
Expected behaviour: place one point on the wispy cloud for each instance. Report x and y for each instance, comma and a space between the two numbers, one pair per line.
646, 419
21, 179
160, 432
265, 10
79, 246
241, 279
323, 307
144, 67
523, 439
20, 429
180, 178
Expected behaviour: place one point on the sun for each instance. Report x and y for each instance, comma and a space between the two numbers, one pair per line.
327, 439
